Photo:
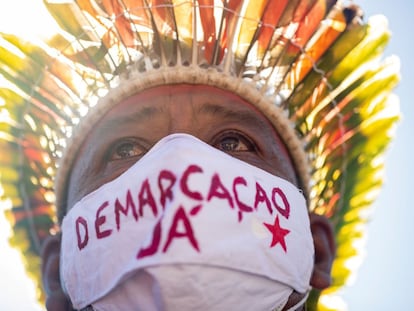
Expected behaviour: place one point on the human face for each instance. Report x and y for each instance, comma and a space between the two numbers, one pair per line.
217, 117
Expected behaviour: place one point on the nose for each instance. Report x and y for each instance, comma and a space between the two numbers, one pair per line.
183, 118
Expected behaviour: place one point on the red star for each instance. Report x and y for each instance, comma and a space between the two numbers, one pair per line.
278, 233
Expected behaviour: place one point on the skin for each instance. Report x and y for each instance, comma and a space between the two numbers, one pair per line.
142, 120
217, 117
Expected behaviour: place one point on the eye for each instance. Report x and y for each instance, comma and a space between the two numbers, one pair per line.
126, 149
233, 142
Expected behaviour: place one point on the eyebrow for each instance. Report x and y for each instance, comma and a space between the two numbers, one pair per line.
141, 115
245, 117
147, 112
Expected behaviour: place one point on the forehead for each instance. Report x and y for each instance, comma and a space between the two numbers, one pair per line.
188, 105
193, 99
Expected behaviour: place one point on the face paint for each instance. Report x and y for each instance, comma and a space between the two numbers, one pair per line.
187, 226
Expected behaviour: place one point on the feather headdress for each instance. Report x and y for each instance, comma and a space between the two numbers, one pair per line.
313, 67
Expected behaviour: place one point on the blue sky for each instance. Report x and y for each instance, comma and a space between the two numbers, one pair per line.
383, 280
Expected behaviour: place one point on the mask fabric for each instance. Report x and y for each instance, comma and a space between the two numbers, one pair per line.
187, 227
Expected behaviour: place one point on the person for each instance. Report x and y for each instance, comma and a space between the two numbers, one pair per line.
181, 155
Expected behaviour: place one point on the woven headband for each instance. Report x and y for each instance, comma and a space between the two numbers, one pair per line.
314, 68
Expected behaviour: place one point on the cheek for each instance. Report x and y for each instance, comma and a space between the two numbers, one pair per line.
75, 189
282, 164
278, 157
278, 163
80, 180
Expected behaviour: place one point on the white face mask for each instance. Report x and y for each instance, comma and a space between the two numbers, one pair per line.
188, 228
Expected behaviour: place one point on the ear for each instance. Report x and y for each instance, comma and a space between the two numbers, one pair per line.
324, 241
56, 299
